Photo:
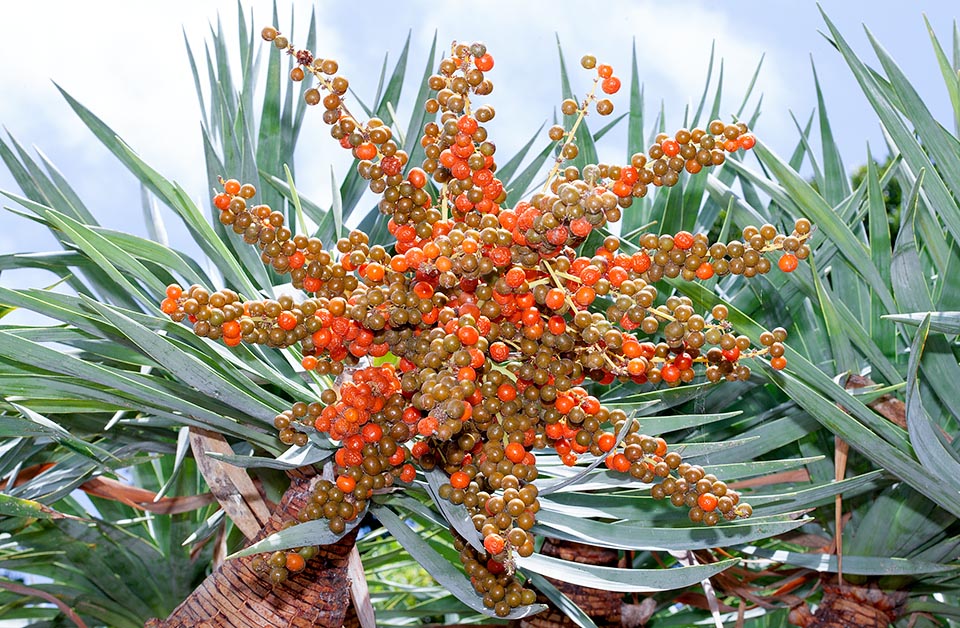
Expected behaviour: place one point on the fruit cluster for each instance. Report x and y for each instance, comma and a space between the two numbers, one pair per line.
488, 319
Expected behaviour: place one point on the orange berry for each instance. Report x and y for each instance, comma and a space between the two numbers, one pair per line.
564, 404
417, 178
684, 239
610, 85
506, 392
287, 321
705, 271
231, 329
670, 373
779, 363
169, 306
556, 325
499, 352
606, 441
174, 291
631, 348
231, 187
661, 447
372, 432
459, 479
621, 463
788, 263
747, 141
707, 502
590, 405
366, 151
308, 362
670, 148
407, 473
493, 544
604, 71
468, 335
484, 63
585, 295
555, 298
515, 452
346, 483
427, 426
295, 562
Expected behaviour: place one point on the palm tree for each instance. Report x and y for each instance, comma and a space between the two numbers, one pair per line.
155, 423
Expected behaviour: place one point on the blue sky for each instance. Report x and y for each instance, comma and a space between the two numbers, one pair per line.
127, 62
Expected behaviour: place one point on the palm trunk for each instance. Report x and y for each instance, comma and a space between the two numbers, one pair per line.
234, 595
604, 607
847, 604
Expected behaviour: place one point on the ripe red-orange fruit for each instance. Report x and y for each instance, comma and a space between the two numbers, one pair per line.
459, 479
707, 502
346, 483
788, 263
606, 441
493, 544
515, 452
286, 321
555, 298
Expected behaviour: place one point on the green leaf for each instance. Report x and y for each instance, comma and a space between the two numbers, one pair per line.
904, 138
520, 183
315, 532
55, 431
188, 368
881, 251
631, 535
391, 95
440, 567
12, 506
293, 458
836, 183
879, 451
796, 192
943, 322
622, 580
949, 74
853, 565
455, 514
940, 368
930, 450
337, 209
411, 144
506, 171
839, 341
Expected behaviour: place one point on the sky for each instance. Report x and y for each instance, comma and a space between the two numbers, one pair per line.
126, 61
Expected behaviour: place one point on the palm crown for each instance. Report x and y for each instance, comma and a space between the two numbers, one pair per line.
118, 396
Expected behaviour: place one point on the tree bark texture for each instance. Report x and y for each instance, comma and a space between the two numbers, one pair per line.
234, 595
603, 607
846, 605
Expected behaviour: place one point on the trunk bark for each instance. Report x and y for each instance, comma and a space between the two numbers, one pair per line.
234, 595
604, 607
847, 604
